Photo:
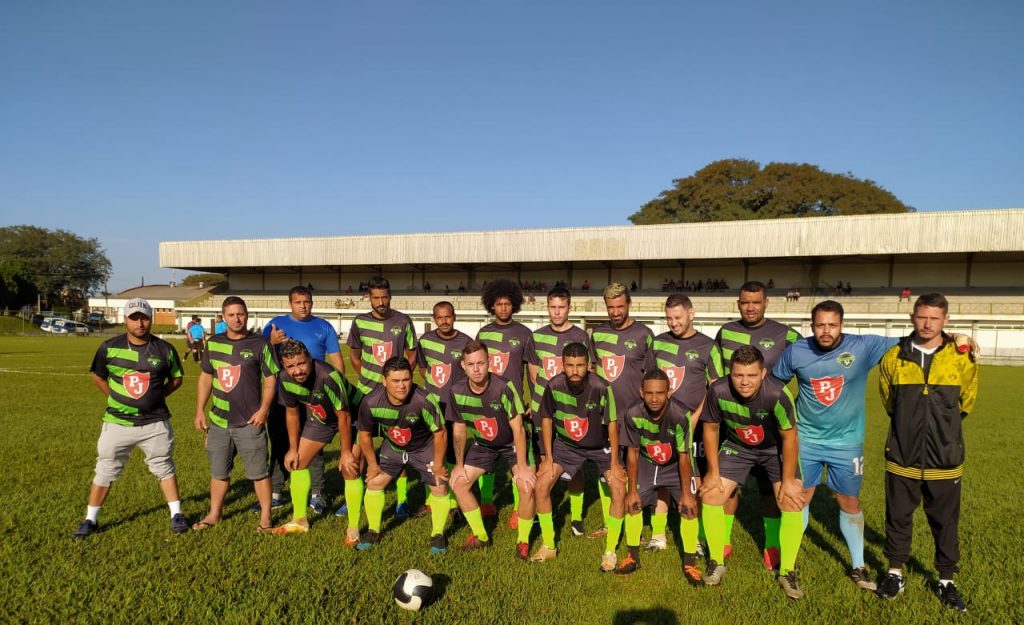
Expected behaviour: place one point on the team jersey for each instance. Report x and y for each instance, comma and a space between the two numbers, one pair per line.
440, 359
832, 385
316, 334
547, 356
690, 364
377, 340
487, 415
749, 423
580, 420
324, 393
508, 349
408, 427
136, 375
238, 367
619, 357
771, 338
660, 441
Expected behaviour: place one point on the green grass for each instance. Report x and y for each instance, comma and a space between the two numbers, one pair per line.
15, 325
136, 571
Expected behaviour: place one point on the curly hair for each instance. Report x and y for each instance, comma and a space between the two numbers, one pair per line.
292, 348
502, 287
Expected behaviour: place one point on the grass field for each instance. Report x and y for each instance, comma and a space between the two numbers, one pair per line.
136, 571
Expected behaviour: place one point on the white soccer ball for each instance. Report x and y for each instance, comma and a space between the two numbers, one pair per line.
413, 589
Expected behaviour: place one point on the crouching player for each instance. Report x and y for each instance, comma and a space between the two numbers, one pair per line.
324, 393
414, 436
654, 435
488, 409
759, 417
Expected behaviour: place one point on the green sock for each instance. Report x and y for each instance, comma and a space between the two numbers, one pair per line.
486, 483
300, 492
576, 506
374, 502
402, 489
453, 503
515, 496
659, 521
771, 531
791, 532
476, 523
525, 526
547, 529
714, 518
611, 542
354, 499
701, 536
606, 500
439, 514
729, 518
634, 526
688, 529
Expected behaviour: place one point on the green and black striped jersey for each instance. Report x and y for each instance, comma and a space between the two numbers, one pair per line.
508, 350
487, 415
324, 393
547, 356
238, 367
408, 427
136, 375
580, 419
619, 356
661, 440
441, 362
690, 364
377, 340
771, 338
750, 423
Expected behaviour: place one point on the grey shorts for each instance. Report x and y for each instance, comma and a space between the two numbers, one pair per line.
571, 458
653, 477
393, 461
737, 464
116, 442
247, 441
484, 457
316, 431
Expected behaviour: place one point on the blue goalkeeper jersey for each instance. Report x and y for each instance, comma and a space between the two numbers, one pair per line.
832, 385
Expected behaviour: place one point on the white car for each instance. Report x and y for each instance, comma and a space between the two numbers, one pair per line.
63, 326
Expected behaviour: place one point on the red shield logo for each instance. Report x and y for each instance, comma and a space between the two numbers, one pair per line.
498, 362
318, 411
228, 377
381, 352
612, 367
751, 435
576, 427
675, 377
552, 366
828, 390
487, 427
136, 383
439, 374
400, 436
660, 452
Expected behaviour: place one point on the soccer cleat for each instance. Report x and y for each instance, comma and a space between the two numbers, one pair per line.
368, 540
291, 528
770, 558
351, 542
790, 586
728, 551
600, 532
473, 542
423, 511
627, 566
608, 561
488, 510
85, 528
179, 524
692, 574
714, 573
860, 577
275, 503
523, 552
577, 528
317, 505
657, 543
702, 550
342, 510
402, 511
950, 597
543, 554
890, 586
438, 545
513, 521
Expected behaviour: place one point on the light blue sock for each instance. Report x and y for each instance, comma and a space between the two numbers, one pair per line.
852, 527
807, 516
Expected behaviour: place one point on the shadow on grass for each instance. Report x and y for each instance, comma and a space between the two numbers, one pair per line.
441, 583
649, 616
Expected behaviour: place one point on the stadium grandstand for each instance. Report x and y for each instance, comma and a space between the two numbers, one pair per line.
865, 261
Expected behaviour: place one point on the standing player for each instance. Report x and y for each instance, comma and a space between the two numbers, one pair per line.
375, 337
197, 333
414, 436
759, 418
770, 338
546, 363
239, 371
188, 336
136, 371
509, 345
321, 340
488, 409
655, 435
578, 423
324, 393
928, 388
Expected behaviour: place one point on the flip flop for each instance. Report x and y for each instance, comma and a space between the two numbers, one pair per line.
201, 525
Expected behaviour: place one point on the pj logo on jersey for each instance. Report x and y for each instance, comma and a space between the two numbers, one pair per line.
487, 427
440, 373
828, 390
612, 366
136, 383
751, 435
498, 362
227, 377
576, 427
552, 366
659, 452
400, 436
317, 411
675, 377
381, 352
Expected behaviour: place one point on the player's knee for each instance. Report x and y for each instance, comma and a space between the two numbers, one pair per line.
107, 470
161, 467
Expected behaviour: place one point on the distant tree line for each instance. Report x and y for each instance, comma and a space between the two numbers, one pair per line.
60, 266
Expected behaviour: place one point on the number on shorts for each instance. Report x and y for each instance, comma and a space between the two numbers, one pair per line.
858, 466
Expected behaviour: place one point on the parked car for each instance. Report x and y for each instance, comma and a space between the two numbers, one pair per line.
63, 326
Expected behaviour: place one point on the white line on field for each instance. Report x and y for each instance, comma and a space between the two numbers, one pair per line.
76, 375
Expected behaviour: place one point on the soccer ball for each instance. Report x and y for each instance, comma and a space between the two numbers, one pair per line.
413, 589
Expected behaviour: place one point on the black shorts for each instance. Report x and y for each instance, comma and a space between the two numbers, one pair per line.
484, 457
392, 461
571, 458
319, 432
736, 465
653, 477
700, 461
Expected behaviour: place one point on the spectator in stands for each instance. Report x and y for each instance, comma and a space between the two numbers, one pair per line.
632, 286
847, 290
904, 294
586, 284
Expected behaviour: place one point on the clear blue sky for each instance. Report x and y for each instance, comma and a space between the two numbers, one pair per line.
137, 122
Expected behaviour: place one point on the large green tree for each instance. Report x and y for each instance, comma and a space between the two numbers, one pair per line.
736, 189
57, 264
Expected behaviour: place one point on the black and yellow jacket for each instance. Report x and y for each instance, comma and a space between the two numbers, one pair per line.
925, 435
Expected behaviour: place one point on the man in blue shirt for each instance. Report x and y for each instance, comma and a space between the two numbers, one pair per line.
221, 327
321, 339
197, 334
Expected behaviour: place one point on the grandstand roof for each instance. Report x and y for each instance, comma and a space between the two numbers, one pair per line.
945, 232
